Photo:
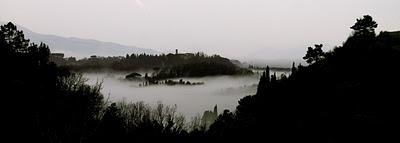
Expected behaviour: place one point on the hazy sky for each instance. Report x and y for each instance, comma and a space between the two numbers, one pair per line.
252, 29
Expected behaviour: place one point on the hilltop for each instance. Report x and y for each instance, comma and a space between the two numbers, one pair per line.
162, 66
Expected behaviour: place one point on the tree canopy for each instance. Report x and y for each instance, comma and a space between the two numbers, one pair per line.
364, 26
314, 54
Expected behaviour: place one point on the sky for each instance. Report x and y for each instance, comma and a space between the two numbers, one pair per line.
241, 29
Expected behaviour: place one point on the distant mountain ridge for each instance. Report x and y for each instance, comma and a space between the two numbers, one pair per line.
80, 48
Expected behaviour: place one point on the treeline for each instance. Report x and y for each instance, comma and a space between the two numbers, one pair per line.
164, 66
341, 96
283, 69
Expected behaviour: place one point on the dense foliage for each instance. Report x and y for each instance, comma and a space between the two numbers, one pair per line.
42, 102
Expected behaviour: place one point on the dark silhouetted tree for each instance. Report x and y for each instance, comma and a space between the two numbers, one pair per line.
264, 81
314, 54
273, 78
294, 69
364, 26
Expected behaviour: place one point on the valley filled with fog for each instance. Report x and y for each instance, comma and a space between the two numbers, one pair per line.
191, 100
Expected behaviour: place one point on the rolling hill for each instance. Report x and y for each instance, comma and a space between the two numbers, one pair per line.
78, 47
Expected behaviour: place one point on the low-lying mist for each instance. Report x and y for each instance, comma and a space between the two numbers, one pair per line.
223, 91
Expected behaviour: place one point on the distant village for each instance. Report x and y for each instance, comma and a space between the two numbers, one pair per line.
61, 59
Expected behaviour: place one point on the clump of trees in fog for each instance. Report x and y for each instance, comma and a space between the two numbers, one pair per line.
343, 95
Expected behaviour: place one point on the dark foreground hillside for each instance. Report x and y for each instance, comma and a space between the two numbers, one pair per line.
349, 94
45, 103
